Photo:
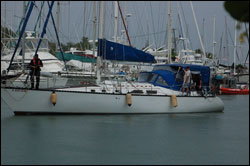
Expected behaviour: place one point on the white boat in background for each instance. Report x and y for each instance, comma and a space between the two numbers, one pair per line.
17, 77
75, 65
190, 57
160, 54
50, 62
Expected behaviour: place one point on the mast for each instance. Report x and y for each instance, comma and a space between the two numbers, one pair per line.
203, 49
175, 47
181, 22
69, 22
5, 21
203, 31
248, 43
169, 33
100, 36
235, 42
116, 20
124, 24
214, 42
94, 27
226, 36
23, 41
57, 19
148, 35
40, 20
125, 19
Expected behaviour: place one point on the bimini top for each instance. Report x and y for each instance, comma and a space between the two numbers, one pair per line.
172, 75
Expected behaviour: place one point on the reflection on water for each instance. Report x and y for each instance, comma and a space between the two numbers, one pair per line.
209, 138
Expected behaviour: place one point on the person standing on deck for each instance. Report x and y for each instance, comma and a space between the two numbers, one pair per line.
197, 82
35, 68
187, 78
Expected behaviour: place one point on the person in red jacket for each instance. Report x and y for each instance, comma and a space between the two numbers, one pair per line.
35, 68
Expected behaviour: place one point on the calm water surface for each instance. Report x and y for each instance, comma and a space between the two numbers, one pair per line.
209, 138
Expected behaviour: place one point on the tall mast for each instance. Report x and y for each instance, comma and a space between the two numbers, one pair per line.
214, 42
69, 23
125, 19
116, 20
100, 36
124, 24
235, 43
57, 19
169, 33
94, 27
203, 31
23, 41
203, 49
40, 19
148, 34
5, 20
184, 35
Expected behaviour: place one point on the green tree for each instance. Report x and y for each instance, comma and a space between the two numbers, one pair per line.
174, 54
198, 51
85, 43
209, 55
6, 32
239, 10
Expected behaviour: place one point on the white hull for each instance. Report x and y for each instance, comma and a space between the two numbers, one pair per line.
39, 101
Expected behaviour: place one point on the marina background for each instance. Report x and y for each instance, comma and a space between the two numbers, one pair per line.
208, 138
147, 20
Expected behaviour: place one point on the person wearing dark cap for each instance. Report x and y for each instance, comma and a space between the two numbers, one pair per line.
35, 68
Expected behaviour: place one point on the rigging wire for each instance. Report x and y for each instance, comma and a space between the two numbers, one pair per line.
187, 32
153, 24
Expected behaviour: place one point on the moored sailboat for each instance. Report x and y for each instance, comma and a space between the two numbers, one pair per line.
158, 93
155, 92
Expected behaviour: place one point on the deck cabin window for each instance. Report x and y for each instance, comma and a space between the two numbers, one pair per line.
147, 77
152, 78
161, 81
144, 77
179, 76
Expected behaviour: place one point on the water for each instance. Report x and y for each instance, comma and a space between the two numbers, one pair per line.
209, 138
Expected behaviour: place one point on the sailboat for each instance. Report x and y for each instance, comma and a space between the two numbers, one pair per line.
157, 91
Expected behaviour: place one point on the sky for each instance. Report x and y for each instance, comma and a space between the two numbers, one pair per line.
147, 21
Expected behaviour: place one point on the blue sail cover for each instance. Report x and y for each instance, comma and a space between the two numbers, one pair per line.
115, 51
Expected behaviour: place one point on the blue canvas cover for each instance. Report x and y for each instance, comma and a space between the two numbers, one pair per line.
169, 78
119, 52
173, 74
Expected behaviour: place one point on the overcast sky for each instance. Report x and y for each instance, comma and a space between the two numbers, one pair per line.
148, 20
